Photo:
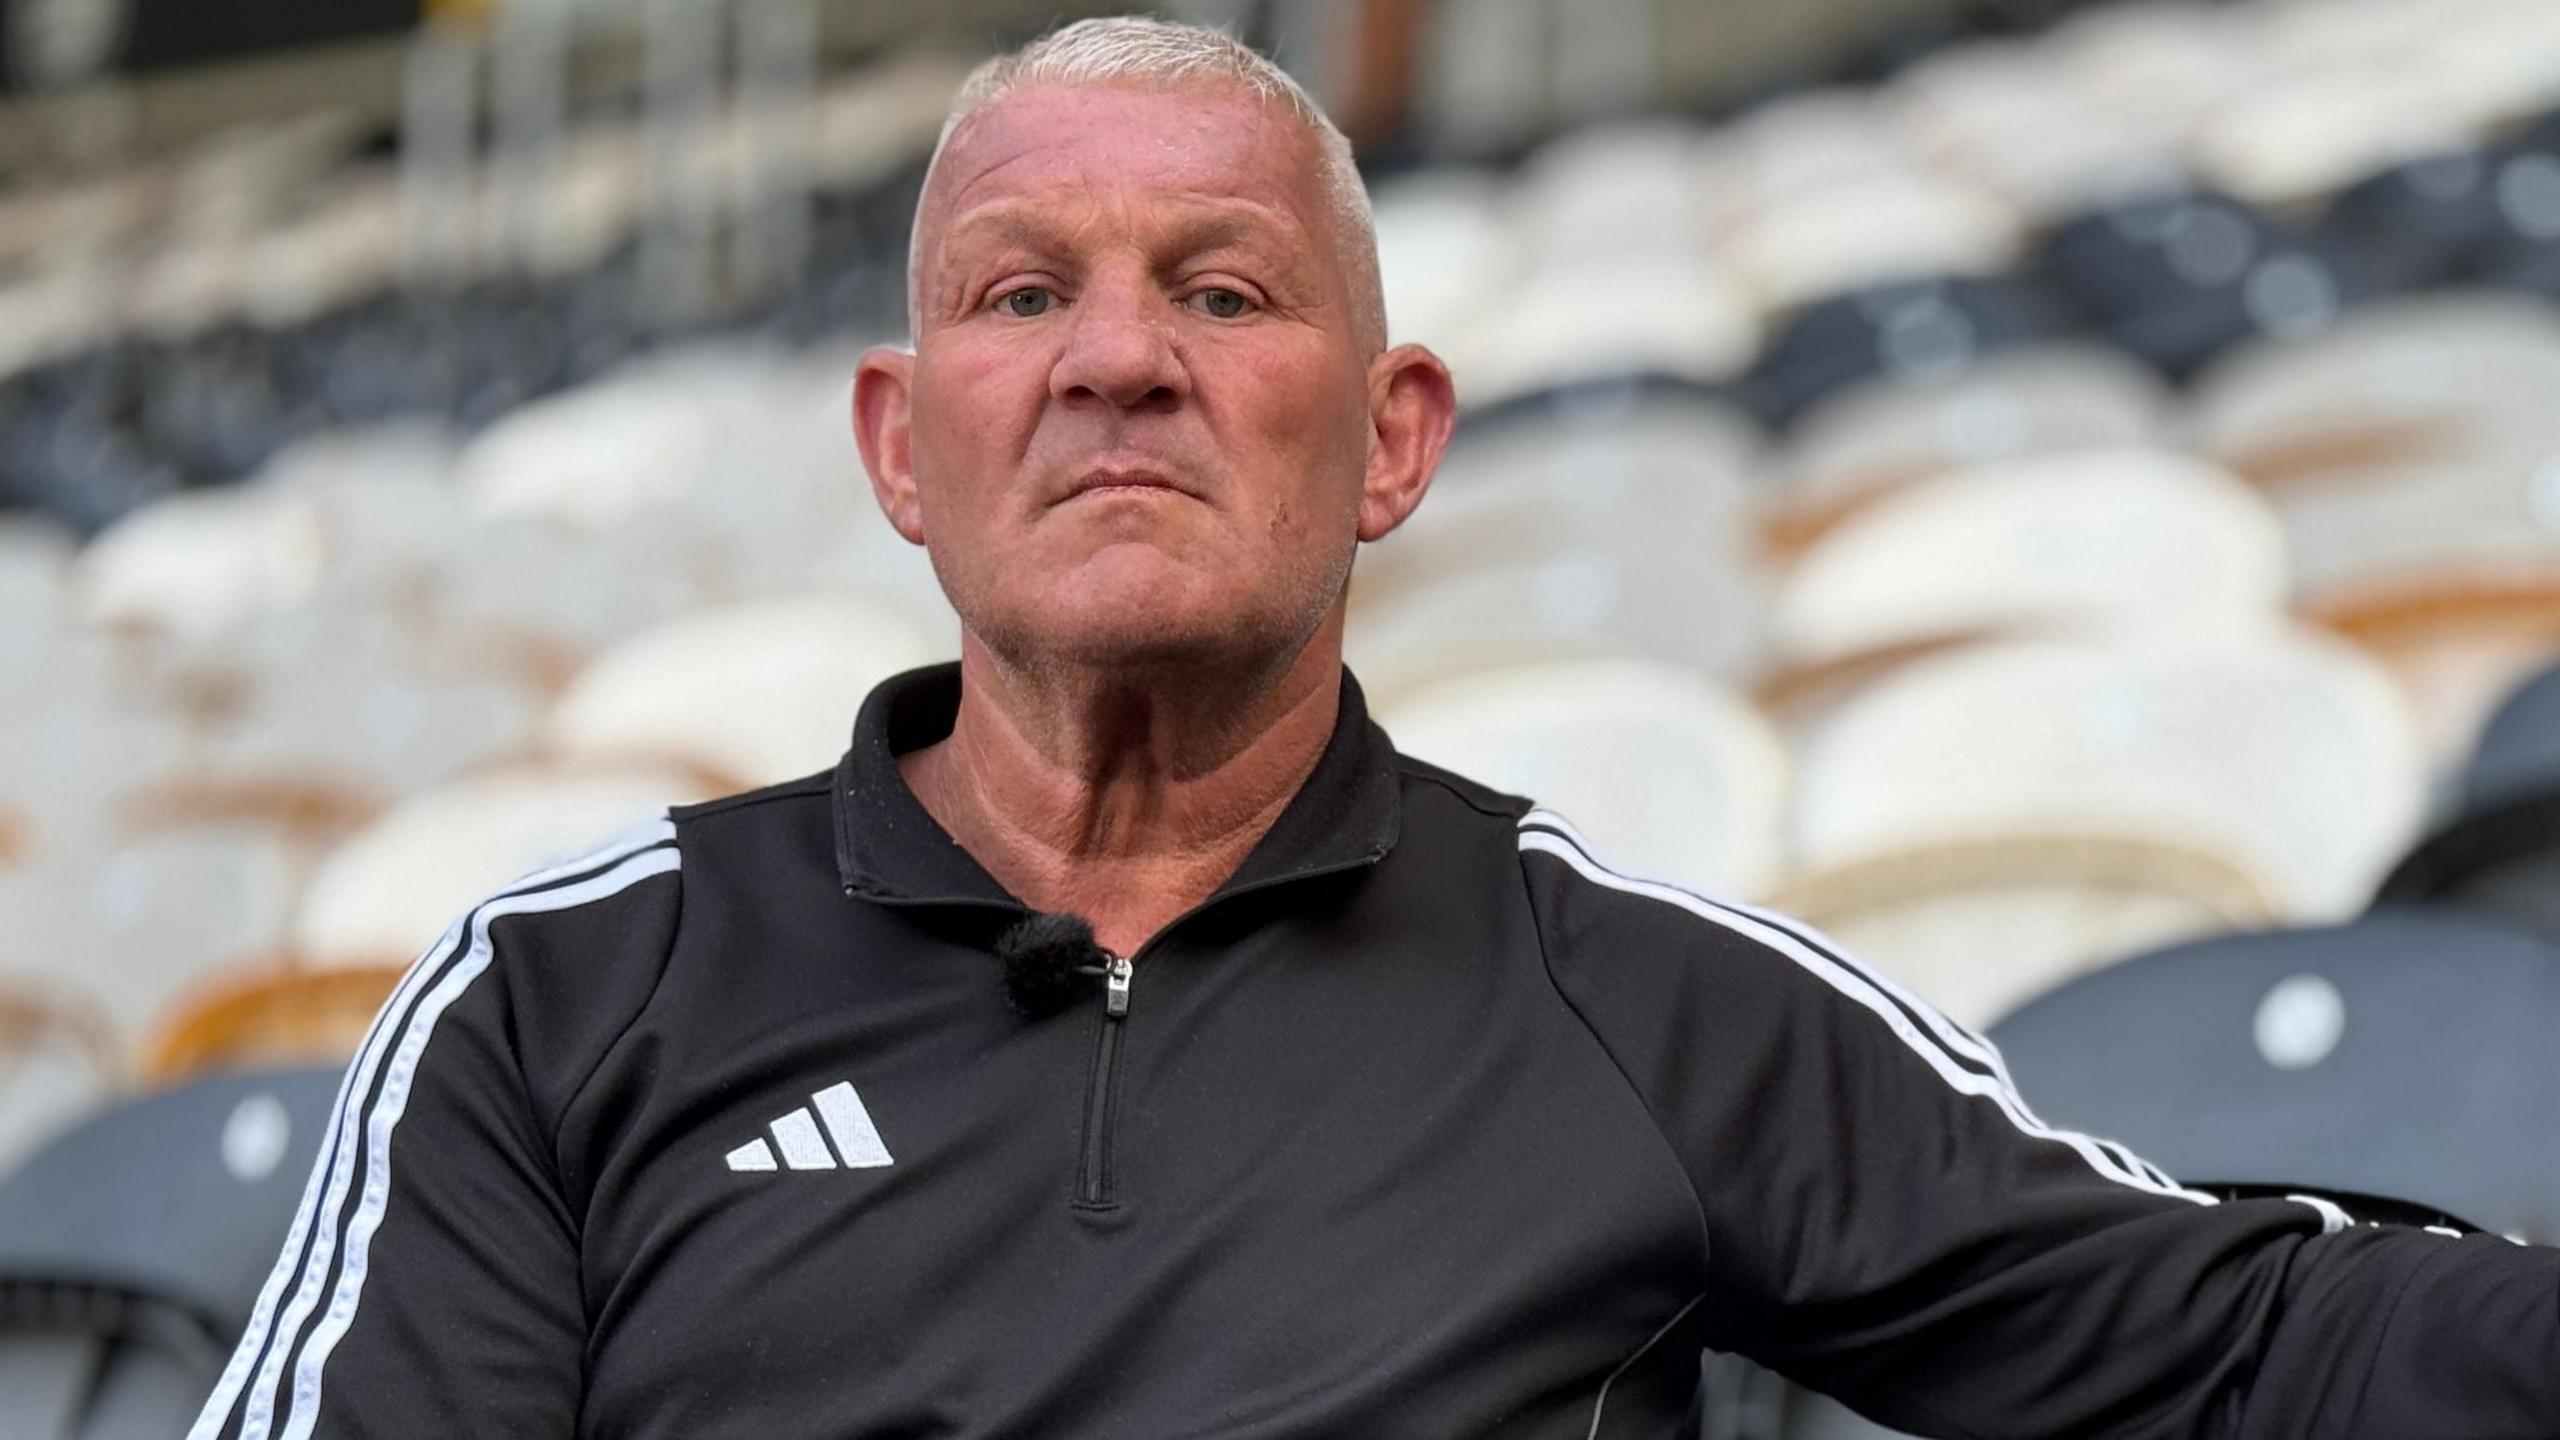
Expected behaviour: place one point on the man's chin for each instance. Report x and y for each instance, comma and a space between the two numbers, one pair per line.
1100, 633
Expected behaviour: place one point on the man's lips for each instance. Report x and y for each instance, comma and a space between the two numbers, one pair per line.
1108, 479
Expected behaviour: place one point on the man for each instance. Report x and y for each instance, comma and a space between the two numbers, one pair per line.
1374, 1106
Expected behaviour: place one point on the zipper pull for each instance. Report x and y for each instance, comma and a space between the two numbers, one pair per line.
1115, 983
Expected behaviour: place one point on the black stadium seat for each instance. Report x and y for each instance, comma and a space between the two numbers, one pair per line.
2422, 223
2176, 277
1927, 328
132, 1250
2406, 1054
2400, 1066
2500, 853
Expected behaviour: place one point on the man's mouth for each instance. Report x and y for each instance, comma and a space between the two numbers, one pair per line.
1106, 479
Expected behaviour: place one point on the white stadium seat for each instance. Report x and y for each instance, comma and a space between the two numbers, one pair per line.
1608, 316
195, 564
2291, 754
1884, 225
1443, 252
1611, 190
2296, 138
390, 890
1874, 438
1616, 525
1670, 774
753, 693
2120, 540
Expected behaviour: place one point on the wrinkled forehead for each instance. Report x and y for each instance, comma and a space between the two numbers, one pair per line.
1141, 151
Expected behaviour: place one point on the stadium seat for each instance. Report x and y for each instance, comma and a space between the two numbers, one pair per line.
135, 920
2314, 1061
1923, 329
59, 1057
195, 565
2175, 277
385, 506
80, 741
132, 1250
1598, 521
2297, 137
1610, 190
2409, 456
535, 601
1442, 248
347, 709
2288, 755
2114, 540
390, 890
2411, 384
266, 1012
1605, 317
2498, 66
1793, 143
1670, 774
2455, 642
589, 458
2322, 1057
671, 694
1876, 437
2157, 67
1978, 924
1871, 229
2002, 113
2498, 853
35, 563
2424, 222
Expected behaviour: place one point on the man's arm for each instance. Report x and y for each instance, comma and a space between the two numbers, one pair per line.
430, 1283
1888, 1222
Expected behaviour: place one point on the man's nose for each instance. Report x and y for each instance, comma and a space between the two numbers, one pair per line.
1120, 350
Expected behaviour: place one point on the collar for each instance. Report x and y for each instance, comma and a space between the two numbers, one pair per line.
890, 849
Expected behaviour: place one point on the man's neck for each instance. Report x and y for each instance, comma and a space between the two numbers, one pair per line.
1126, 803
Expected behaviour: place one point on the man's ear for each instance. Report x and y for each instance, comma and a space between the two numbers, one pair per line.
1413, 404
882, 391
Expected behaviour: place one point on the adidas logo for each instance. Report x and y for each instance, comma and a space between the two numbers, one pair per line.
803, 1148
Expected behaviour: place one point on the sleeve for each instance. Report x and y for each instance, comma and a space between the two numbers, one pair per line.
430, 1282
1888, 1222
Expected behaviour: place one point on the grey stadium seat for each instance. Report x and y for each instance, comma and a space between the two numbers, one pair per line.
2314, 1061
132, 1250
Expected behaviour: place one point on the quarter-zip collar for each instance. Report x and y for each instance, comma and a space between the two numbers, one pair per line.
890, 848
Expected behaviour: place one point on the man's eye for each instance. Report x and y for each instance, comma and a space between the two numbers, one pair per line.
1223, 303
1026, 302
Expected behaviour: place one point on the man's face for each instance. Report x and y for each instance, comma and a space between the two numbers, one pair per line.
1138, 418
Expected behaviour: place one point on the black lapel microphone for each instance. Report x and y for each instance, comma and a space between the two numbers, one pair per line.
1048, 959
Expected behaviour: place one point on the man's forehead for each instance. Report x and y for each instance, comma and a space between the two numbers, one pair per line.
1208, 155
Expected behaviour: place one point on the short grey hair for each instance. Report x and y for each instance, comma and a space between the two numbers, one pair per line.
1139, 50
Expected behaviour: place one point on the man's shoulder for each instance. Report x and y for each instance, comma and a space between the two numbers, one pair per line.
804, 788
1425, 781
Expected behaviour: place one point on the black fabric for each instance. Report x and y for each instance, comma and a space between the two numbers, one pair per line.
1427, 1124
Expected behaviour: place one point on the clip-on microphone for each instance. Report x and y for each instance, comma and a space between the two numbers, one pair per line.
1046, 959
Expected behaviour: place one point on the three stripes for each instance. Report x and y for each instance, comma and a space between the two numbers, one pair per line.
848, 1125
